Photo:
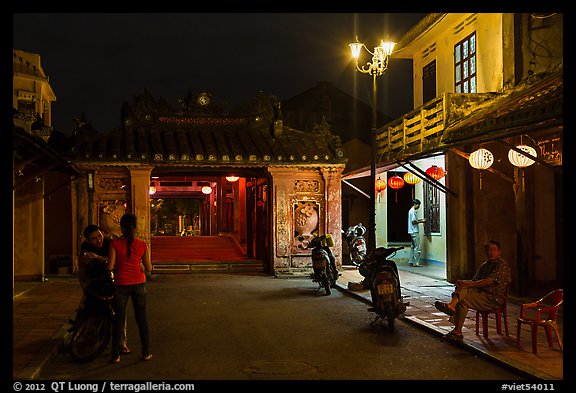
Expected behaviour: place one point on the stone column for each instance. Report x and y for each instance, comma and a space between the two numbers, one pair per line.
333, 197
282, 183
140, 198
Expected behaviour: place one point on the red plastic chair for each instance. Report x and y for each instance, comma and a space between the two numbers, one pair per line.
498, 312
549, 306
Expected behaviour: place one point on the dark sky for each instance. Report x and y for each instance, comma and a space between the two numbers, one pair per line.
96, 62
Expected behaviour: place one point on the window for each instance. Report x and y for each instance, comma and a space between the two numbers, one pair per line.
431, 209
429, 81
465, 65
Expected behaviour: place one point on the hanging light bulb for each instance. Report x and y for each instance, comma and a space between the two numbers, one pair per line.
152, 190
206, 190
232, 179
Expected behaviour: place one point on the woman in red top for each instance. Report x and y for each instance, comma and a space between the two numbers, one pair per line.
130, 260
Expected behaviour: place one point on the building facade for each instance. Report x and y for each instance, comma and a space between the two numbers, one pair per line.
490, 81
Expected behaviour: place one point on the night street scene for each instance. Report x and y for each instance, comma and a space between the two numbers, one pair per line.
288, 198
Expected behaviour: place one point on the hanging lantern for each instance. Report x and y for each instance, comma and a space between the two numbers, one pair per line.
380, 186
519, 159
435, 172
411, 178
232, 179
206, 190
481, 159
152, 190
396, 182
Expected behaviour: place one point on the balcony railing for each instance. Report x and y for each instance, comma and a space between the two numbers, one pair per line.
422, 129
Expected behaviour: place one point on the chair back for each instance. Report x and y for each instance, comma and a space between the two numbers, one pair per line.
552, 302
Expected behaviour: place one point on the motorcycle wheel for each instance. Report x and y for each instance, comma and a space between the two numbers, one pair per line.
390, 315
326, 284
91, 338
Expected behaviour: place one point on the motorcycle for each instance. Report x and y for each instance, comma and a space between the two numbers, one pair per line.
381, 273
91, 328
323, 263
356, 243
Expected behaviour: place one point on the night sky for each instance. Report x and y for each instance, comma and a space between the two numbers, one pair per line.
96, 62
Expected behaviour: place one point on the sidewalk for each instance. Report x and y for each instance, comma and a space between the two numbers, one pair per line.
423, 290
41, 312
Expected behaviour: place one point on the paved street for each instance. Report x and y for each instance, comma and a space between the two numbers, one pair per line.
247, 327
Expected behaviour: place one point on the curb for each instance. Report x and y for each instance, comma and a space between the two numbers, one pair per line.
469, 345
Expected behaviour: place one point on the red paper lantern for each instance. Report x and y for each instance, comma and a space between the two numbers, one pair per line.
435, 172
380, 185
396, 182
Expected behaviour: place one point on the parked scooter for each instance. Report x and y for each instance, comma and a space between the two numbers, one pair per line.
91, 328
356, 243
384, 282
324, 262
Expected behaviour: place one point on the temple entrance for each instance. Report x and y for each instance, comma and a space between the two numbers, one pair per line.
209, 221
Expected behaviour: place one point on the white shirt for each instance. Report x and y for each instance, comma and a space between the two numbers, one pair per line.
412, 216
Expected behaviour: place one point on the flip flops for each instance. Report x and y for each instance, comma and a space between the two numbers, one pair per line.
443, 307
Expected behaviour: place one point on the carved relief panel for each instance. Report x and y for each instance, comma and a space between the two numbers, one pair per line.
112, 200
307, 205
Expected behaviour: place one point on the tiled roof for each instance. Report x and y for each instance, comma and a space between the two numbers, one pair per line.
161, 136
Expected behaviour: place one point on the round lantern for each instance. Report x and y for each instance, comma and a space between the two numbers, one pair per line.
380, 185
519, 159
206, 190
232, 179
411, 178
396, 182
435, 172
481, 159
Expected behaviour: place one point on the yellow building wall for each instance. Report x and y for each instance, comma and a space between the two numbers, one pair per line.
29, 232
440, 47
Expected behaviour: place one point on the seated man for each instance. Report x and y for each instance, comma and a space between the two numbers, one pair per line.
486, 290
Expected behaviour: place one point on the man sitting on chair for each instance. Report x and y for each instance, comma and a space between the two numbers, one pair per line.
485, 291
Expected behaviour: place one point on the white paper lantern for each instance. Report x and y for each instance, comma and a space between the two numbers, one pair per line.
519, 159
481, 159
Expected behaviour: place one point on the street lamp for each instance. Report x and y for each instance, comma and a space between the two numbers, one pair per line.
377, 67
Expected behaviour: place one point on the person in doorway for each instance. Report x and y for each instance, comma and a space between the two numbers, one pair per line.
92, 265
485, 291
414, 233
130, 259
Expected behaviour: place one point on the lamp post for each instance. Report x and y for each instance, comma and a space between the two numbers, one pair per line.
377, 67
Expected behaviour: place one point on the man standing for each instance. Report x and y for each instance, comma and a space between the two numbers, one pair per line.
414, 233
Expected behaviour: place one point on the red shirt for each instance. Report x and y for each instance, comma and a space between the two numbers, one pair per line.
127, 271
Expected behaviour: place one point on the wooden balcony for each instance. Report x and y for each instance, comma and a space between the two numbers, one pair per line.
422, 129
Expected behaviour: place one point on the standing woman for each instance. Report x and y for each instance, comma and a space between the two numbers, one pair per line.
130, 260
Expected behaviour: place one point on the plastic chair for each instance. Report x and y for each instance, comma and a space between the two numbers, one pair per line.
498, 312
548, 305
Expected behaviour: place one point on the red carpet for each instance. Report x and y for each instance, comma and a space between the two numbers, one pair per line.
194, 249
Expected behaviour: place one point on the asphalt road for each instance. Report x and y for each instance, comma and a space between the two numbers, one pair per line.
248, 327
